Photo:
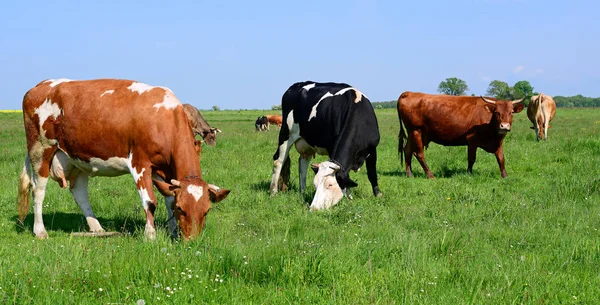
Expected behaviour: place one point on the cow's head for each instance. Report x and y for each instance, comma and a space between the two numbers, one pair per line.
210, 136
329, 192
192, 202
502, 113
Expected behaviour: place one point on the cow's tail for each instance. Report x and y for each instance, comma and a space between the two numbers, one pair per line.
23, 198
544, 116
401, 135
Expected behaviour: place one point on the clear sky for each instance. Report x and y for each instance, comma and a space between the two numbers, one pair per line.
245, 54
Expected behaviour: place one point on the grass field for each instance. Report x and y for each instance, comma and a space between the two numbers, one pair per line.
531, 238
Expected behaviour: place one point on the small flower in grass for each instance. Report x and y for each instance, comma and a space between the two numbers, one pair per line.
100, 289
448, 198
140, 302
168, 288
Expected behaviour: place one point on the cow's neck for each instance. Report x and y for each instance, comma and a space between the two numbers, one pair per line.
185, 161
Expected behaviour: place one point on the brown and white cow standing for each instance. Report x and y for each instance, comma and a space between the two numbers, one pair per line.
477, 122
109, 127
200, 126
541, 111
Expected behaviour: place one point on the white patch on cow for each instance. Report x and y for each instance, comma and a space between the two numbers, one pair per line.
107, 92
359, 95
54, 82
313, 112
47, 109
113, 166
145, 197
140, 87
170, 101
136, 175
196, 191
309, 86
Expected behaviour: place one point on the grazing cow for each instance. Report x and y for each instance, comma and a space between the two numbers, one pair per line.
109, 127
199, 125
262, 123
276, 120
327, 119
541, 111
453, 121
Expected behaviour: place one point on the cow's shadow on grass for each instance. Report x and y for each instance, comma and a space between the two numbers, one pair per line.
261, 186
76, 222
443, 172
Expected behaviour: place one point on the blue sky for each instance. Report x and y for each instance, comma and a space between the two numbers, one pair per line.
245, 54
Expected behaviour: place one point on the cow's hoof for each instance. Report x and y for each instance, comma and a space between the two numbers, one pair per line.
41, 235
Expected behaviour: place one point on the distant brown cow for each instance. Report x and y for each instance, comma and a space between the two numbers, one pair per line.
275, 119
477, 122
541, 111
199, 125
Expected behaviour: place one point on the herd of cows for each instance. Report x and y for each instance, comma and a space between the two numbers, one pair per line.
109, 127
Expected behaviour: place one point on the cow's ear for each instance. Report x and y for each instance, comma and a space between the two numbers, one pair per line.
315, 167
519, 107
164, 188
216, 193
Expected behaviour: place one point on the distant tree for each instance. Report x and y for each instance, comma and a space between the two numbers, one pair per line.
453, 86
216, 108
499, 90
276, 107
522, 89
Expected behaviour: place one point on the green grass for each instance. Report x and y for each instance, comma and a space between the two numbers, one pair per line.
531, 238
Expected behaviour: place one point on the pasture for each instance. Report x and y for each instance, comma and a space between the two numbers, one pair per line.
531, 238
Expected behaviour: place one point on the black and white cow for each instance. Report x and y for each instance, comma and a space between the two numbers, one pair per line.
261, 124
328, 119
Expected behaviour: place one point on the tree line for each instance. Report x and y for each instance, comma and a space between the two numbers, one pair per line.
502, 90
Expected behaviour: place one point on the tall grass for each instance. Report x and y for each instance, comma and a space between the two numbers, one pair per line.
459, 239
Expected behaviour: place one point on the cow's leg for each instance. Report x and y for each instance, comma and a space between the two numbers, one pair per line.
419, 152
170, 205
500, 158
371, 163
39, 192
144, 187
40, 161
303, 162
79, 190
471, 156
288, 135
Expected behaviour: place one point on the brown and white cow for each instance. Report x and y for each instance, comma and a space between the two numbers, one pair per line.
109, 127
477, 122
276, 120
541, 111
199, 125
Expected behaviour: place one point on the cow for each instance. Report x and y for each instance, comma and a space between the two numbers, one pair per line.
109, 127
199, 125
276, 120
332, 119
541, 111
474, 121
261, 124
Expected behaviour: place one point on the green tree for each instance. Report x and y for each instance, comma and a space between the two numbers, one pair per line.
276, 107
522, 89
216, 108
453, 86
499, 90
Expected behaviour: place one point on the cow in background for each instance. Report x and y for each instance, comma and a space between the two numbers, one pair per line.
477, 122
199, 125
541, 111
275, 120
109, 127
261, 124
327, 119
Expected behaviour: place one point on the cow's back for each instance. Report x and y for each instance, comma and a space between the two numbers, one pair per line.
444, 119
106, 118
